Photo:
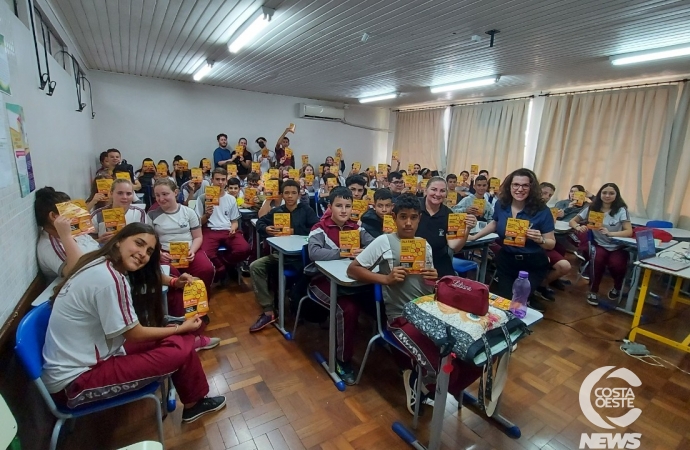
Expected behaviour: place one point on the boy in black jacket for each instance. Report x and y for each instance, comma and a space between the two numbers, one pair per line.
372, 220
302, 219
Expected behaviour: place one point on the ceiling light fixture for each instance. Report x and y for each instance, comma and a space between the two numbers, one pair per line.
256, 23
651, 55
203, 71
465, 84
377, 98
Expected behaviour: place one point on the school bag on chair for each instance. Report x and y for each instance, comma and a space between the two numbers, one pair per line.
477, 327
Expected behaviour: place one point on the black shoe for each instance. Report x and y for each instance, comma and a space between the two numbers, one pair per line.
545, 293
345, 372
592, 299
203, 406
536, 304
613, 294
558, 284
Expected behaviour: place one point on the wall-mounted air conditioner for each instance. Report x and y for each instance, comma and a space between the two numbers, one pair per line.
321, 112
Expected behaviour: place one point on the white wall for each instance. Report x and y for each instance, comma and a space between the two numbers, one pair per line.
147, 117
60, 141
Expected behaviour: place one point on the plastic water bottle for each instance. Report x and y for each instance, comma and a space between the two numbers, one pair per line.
521, 290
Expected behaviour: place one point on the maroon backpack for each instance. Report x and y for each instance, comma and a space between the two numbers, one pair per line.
463, 294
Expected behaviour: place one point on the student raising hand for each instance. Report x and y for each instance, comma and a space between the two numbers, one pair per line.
397, 275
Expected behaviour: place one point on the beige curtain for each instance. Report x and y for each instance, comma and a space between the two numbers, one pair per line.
677, 177
491, 135
419, 137
617, 136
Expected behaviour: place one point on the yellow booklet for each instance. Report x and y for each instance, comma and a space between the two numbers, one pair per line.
371, 169
271, 189
348, 240
479, 203
114, 219
339, 153
212, 195
292, 127
410, 168
494, 183
451, 199
332, 182
357, 166
256, 167
411, 183
382, 170
336, 162
456, 226
309, 180
148, 166
162, 170
232, 171
474, 169
370, 196
264, 153
359, 207
197, 175
249, 195
103, 186
413, 255
195, 299
80, 202
273, 173
579, 198
80, 219
554, 213
305, 160
239, 150
206, 164
499, 302
183, 164
516, 232
293, 174
265, 176
282, 221
396, 155
288, 153
595, 220
389, 225
123, 176
179, 252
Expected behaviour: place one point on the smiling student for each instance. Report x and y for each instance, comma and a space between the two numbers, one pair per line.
481, 185
122, 196
372, 220
356, 185
106, 336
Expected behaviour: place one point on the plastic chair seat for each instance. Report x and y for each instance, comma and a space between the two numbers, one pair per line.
463, 266
659, 224
101, 405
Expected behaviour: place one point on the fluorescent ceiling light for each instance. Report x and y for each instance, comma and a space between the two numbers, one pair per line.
465, 84
203, 71
251, 28
377, 98
651, 55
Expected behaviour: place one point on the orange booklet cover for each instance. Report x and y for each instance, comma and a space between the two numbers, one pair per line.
382, 170
80, 219
103, 186
411, 183
389, 225
212, 194
195, 299
456, 226
349, 239
183, 164
271, 189
516, 232
595, 220
256, 167
479, 203
474, 169
273, 173
309, 180
413, 255
206, 164
282, 221
197, 175
114, 219
451, 199
123, 176
305, 160
179, 252
249, 195
579, 198
359, 207
554, 213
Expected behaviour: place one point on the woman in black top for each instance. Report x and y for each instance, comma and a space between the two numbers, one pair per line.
181, 176
243, 161
433, 226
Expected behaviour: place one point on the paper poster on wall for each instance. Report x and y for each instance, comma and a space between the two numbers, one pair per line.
6, 175
20, 145
4, 68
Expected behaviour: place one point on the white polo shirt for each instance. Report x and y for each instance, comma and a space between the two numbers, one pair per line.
132, 215
175, 226
90, 315
223, 214
51, 254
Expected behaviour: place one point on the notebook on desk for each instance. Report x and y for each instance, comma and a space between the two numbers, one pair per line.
646, 252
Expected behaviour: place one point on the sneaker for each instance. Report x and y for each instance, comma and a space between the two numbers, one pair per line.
545, 293
592, 299
536, 304
245, 269
345, 372
579, 256
613, 294
584, 272
262, 322
203, 406
205, 343
410, 380
558, 284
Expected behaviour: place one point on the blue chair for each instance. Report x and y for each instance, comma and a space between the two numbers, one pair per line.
30, 338
659, 224
462, 266
238, 267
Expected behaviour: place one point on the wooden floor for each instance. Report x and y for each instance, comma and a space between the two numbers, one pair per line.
279, 398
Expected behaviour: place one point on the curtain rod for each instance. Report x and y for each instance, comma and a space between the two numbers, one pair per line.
463, 104
615, 88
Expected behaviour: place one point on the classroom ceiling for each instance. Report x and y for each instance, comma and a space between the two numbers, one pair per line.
315, 49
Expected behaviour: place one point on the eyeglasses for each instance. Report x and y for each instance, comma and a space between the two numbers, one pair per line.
398, 182
517, 187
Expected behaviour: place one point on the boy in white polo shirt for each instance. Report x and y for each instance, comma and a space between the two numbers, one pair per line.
220, 226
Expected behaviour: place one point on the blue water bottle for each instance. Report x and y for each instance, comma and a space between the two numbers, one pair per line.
521, 290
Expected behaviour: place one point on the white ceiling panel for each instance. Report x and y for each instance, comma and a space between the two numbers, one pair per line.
313, 48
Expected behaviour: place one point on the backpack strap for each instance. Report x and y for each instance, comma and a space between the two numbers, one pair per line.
488, 402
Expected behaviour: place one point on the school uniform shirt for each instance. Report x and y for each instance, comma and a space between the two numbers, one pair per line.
265, 163
223, 214
90, 315
433, 229
542, 220
569, 212
132, 215
176, 226
324, 238
384, 252
611, 223
51, 254
466, 203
